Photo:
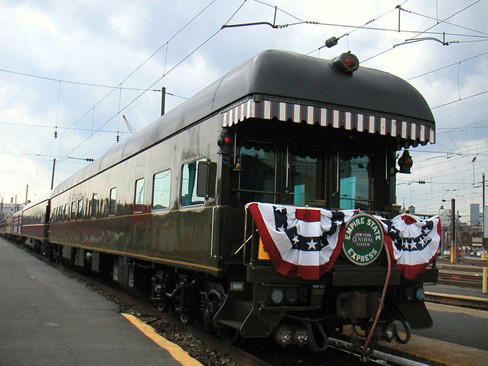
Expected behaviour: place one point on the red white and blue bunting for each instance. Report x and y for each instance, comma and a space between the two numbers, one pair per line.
305, 242
301, 242
414, 131
414, 242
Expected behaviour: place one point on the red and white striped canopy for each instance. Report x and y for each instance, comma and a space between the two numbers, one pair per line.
414, 132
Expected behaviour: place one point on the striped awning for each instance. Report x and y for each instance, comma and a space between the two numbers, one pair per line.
414, 132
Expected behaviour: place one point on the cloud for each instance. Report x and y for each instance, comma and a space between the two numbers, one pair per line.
102, 43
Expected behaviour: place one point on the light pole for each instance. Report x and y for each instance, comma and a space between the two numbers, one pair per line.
483, 222
69, 157
453, 231
52, 178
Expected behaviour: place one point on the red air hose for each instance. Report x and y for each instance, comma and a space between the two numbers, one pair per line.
378, 313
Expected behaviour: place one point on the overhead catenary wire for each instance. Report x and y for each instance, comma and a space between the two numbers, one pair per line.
460, 99
459, 179
158, 80
64, 81
449, 17
279, 9
44, 156
462, 127
360, 27
143, 63
450, 173
424, 31
97, 111
447, 66
482, 38
54, 126
364, 26
452, 155
437, 19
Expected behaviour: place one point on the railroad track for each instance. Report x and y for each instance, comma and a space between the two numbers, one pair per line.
460, 275
200, 344
253, 353
463, 261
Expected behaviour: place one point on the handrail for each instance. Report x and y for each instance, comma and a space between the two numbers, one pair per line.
246, 238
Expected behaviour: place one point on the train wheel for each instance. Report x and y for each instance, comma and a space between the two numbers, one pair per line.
186, 318
212, 304
163, 307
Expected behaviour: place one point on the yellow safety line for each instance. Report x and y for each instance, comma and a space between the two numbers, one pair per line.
176, 351
461, 297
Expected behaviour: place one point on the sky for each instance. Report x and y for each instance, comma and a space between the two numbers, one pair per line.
75, 68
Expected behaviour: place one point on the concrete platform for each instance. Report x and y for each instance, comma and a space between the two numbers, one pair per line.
456, 290
49, 319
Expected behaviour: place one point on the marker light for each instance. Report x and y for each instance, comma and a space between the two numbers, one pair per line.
277, 296
405, 163
225, 142
420, 294
347, 63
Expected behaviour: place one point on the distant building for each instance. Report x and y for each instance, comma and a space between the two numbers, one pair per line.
8, 209
411, 209
474, 214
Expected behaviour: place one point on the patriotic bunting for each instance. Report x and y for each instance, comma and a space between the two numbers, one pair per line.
301, 242
305, 242
414, 242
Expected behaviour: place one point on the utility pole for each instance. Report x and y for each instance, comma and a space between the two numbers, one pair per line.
26, 194
453, 231
483, 241
54, 168
163, 100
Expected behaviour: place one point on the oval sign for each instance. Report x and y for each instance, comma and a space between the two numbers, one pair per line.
363, 239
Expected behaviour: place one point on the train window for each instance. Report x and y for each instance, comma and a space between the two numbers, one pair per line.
189, 184
79, 214
306, 178
94, 205
139, 195
113, 201
161, 190
257, 181
355, 182
73, 210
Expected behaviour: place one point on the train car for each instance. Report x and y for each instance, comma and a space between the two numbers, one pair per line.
34, 227
4, 225
265, 204
13, 226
